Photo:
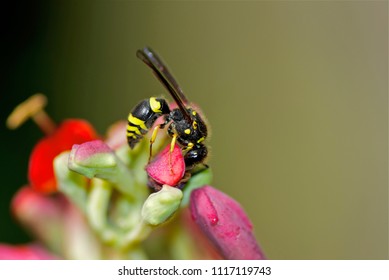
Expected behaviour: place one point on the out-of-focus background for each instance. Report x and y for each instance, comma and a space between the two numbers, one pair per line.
295, 93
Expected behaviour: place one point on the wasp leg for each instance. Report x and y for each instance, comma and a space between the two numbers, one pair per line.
154, 134
189, 147
172, 144
152, 140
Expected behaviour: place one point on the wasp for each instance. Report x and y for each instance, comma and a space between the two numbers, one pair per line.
185, 125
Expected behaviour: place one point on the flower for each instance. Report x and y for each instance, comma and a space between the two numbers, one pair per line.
58, 139
69, 132
108, 201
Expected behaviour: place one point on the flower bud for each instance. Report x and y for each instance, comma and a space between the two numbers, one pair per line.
43, 215
167, 168
92, 159
97, 159
161, 205
225, 224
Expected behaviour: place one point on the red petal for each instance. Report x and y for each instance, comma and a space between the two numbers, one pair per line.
167, 168
74, 131
40, 170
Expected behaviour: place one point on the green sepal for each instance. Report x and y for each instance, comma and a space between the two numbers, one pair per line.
72, 184
196, 181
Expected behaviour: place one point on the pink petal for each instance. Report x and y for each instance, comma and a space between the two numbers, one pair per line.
25, 252
30, 206
42, 215
85, 151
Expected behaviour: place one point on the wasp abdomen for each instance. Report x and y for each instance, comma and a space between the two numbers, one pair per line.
142, 118
196, 155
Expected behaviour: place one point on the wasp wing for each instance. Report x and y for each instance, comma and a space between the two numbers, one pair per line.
151, 59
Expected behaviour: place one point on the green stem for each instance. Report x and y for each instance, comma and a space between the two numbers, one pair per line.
127, 183
132, 238
72, 184
97, 208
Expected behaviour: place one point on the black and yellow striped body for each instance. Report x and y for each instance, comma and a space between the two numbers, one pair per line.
185, 125
142, 118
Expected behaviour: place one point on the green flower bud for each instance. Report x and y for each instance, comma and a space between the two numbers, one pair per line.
161, 205
92, 159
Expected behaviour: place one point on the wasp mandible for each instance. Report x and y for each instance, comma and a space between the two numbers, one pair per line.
185, 125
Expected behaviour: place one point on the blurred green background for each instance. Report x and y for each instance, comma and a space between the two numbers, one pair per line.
295, 94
